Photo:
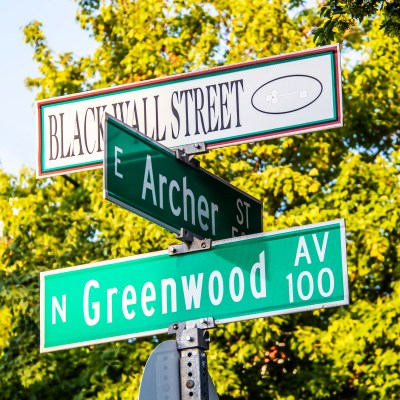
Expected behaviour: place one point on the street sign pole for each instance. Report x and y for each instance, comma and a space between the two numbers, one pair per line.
161, 375
192, 340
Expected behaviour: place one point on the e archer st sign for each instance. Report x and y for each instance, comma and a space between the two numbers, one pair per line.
257, 100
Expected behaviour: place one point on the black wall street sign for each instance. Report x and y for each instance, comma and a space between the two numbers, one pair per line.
276, 96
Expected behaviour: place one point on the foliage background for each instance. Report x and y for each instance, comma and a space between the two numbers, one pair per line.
351, 172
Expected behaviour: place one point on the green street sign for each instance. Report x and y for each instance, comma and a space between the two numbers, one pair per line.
145, 177
256, 276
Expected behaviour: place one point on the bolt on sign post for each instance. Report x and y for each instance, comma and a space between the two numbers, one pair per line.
257, 100
255, 276
145, 177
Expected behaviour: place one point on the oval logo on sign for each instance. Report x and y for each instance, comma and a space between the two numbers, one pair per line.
286, 94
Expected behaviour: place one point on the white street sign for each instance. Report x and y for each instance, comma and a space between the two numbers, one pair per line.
240, 103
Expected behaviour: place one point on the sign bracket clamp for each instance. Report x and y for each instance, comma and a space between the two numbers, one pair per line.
192, 339
190, 243
187, 153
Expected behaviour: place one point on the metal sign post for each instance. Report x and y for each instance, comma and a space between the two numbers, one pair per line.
161, 375
192, 340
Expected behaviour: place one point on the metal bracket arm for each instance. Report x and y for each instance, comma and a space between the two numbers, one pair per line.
189, 334
190, 243
187, 153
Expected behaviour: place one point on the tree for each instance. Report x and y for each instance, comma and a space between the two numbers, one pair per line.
341, 16
351, 172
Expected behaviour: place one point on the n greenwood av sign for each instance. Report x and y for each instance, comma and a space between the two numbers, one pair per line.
250, 277
276, 96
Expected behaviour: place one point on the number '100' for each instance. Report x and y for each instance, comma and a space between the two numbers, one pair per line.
324, 290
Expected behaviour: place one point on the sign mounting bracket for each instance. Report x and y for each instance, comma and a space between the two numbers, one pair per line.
190, 243
187, 153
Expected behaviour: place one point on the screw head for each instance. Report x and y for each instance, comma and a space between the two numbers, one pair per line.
190, 384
